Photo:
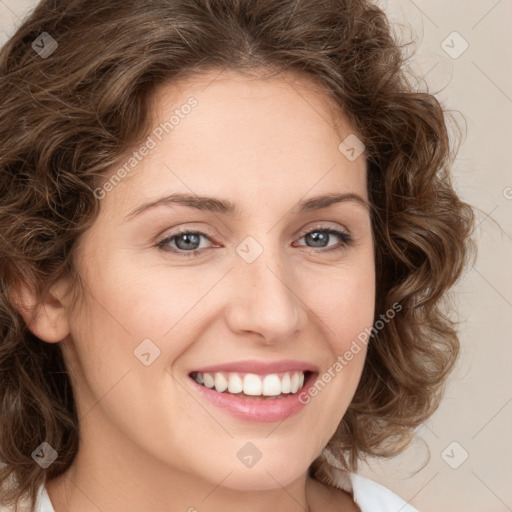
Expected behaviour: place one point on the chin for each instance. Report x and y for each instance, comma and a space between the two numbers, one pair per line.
261, 481
265, 475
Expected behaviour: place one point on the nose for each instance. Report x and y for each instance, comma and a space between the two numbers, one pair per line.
265, 300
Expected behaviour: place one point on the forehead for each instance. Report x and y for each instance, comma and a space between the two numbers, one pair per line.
294, 92
244, 137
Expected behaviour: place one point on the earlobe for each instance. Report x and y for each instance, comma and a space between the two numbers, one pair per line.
46, 317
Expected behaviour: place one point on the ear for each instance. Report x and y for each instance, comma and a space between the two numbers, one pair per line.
46, 317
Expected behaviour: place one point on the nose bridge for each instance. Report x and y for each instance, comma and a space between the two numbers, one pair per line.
265, 300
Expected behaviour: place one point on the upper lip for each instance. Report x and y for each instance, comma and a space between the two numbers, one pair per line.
259, 367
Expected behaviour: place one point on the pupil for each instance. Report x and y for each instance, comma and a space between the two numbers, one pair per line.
188, 238
318, 236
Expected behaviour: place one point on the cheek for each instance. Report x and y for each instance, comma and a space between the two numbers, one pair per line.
125, 315
346, 308
347, 304
130, 302
154, 301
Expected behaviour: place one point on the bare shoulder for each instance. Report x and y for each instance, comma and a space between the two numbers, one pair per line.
325, 498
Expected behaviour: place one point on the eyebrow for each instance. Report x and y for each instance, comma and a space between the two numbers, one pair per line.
226, 207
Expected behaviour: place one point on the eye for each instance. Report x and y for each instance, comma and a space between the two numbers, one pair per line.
185, 242
320, 236
188, 243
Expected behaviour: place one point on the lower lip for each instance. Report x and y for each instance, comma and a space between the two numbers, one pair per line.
254, 409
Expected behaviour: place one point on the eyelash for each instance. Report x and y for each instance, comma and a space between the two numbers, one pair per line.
345, 241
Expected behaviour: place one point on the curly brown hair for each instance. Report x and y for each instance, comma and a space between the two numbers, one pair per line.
67, 119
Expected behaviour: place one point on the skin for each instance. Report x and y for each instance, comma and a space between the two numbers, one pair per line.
148, 441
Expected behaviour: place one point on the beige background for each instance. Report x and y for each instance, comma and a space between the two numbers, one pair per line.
477, 410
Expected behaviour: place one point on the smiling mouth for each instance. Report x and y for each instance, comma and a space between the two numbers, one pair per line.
272, 386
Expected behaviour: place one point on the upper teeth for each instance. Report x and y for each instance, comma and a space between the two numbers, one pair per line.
272, 384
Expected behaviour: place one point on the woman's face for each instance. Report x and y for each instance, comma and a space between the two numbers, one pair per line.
269, 287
